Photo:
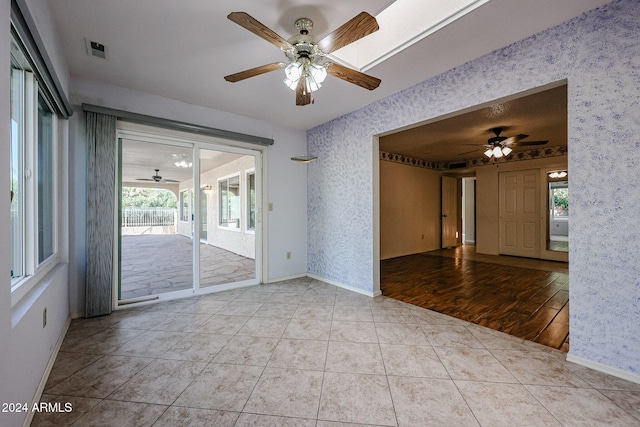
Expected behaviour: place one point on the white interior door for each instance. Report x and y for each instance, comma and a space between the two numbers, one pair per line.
449, 212
520, 213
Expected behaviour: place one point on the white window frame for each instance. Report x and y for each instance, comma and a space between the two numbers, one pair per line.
219, 201
33, 271
247, 204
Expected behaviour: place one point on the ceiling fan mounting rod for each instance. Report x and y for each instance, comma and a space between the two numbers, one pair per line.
303, 25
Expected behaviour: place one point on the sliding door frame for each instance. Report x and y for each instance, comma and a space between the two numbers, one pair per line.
197, 142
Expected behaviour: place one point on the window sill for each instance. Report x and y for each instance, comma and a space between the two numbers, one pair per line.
26, 284
35, 291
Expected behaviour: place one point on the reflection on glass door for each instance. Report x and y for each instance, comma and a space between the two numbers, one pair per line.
156, 255
228, 215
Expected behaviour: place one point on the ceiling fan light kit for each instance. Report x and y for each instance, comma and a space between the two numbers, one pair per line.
308, 64
501, 146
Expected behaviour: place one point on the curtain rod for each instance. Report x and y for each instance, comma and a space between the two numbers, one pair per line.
177, 125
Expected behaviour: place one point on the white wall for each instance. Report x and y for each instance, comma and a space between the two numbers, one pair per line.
26, 345
409, 210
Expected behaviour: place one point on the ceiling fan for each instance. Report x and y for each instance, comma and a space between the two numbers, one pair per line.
308, 63
498, 146
156, 178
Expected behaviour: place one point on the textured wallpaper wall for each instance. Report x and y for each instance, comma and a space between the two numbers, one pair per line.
598, 54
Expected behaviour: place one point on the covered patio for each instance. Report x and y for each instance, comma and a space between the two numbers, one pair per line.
158, 263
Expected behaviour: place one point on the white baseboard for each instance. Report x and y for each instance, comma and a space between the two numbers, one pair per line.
281, 279
343, 286
625, 375
45, 376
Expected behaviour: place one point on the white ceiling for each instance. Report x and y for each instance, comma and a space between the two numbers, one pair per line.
183, 49
141, 158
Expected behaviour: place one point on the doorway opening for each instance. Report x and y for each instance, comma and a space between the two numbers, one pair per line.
468, 211
530, 131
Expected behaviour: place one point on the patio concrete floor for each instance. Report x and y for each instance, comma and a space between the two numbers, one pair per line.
159, 263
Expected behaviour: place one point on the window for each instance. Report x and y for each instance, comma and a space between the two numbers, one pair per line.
229, 202
251, 201
46, 178
17, 170
184, 206
33, 174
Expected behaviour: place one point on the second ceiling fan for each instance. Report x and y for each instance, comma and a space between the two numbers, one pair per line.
308, 62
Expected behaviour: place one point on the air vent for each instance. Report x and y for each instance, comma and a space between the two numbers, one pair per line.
96, 49
458, 165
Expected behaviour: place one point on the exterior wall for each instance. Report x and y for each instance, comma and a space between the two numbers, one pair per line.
597, 53
241, 241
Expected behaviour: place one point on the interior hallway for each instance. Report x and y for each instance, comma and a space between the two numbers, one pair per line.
523, 297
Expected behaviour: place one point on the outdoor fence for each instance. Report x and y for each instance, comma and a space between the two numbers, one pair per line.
148, 217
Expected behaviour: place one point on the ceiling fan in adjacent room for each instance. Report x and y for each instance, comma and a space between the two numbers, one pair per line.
156, 178
499, 146
308, 63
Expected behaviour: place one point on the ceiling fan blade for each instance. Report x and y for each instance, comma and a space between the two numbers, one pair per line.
514, 139
144, 179
533, 143
252, 72
303, 96
352, 76
169, 180
356, 28
256, 27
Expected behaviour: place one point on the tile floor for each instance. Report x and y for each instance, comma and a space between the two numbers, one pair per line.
305, 353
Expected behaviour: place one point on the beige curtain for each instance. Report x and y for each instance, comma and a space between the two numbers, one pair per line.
101, 136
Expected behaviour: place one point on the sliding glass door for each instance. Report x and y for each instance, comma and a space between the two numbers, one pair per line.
188, 217
228, 254
155, 221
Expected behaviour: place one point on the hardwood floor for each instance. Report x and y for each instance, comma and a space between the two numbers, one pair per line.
522, 297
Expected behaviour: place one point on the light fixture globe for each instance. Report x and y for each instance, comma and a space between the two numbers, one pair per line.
506, 150
293, 73
497, 152
318, 72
